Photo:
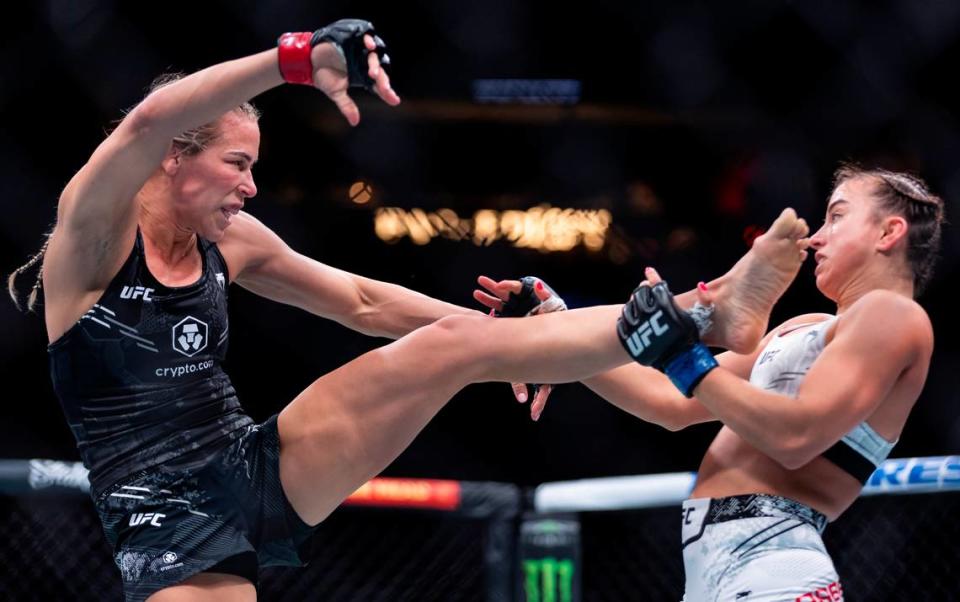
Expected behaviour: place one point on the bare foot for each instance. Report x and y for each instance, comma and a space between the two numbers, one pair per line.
746, 294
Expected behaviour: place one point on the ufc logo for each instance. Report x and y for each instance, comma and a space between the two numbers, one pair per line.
640, 339
149, 518
132, 292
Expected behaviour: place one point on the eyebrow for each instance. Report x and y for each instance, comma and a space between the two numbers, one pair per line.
835, 203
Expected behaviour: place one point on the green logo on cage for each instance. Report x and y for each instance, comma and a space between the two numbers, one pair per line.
548, 579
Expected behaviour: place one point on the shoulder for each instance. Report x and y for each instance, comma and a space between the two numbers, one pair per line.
895, 311
242, 226
248, 241
890, 319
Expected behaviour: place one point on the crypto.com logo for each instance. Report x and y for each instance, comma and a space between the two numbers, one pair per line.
190, 336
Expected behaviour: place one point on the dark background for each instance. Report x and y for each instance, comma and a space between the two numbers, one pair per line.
697, 123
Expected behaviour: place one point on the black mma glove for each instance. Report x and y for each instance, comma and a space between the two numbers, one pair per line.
657, 333
346, 35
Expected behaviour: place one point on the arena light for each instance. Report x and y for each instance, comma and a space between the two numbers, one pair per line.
360, 192
409, 493
544, 228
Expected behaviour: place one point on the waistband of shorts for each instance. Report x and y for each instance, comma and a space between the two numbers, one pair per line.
756, 505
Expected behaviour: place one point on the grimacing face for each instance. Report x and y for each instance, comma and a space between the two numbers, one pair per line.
211, 186
846, 242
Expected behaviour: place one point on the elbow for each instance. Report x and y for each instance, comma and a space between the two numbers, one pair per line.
143, 117
683, 412
148, 116
365, 321
792, 452
138, 124
673, 423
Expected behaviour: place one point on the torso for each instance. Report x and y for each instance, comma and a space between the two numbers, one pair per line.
139, 375
62, 307
732, 466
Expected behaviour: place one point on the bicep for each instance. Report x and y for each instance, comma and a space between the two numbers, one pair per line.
101, 194
97, 212
853, 375
277, 272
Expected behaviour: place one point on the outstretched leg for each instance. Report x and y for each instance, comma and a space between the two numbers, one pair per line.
350, 424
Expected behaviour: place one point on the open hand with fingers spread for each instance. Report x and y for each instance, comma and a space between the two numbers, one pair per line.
528, 296
347, 53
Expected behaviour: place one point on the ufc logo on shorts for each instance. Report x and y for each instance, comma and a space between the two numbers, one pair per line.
830, 593
640, 339
149, 518
132, 292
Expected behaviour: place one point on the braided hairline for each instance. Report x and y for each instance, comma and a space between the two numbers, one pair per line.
905, 185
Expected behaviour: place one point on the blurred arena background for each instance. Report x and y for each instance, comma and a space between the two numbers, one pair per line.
579, 143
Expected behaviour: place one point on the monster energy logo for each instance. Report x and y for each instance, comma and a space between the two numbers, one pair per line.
548, 579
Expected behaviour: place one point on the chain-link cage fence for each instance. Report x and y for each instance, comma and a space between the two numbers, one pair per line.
54, 549
885, 547
393, 540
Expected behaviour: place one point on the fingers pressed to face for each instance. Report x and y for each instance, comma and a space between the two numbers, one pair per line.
519, 391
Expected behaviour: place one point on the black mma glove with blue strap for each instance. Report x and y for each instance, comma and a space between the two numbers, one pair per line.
657, 333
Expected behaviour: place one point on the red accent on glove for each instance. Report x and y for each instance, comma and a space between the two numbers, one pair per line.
294, 57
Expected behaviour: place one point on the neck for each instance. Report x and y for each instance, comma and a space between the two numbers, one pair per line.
881, 277
166, 239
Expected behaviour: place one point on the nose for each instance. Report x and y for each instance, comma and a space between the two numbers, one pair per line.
819, 238
248, 188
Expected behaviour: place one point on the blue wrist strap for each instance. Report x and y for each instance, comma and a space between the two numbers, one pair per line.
688, 368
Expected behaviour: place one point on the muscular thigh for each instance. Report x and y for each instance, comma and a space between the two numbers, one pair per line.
350, 424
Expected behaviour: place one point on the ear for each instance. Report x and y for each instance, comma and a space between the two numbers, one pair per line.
894, 230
